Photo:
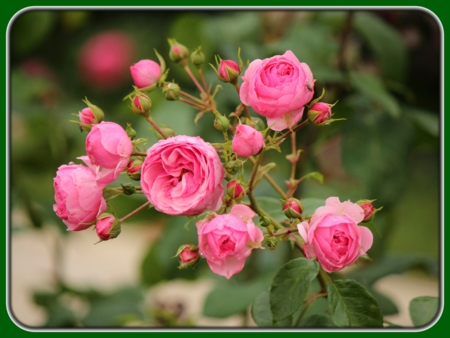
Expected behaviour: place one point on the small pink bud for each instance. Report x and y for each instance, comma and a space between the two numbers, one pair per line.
228, 71
369, 210
235, 190
178, 52
293, 208
247, 141
145, 73
107, 227
188, 255
87, 116
134, 169
319, 113
141, 105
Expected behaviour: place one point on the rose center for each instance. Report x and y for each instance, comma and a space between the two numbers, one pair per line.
183, 171
283, 70
339, 243
226, 244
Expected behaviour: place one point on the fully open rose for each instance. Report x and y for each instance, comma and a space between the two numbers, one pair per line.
78, 198
227, 240
278, 88
333, 236
183, 175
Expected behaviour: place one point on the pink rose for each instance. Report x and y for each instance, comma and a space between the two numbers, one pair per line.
103, 176
183, 175
109, 146
78, 198
247, 141
278, 88
333, 236
107, 227
227, 240
145, 73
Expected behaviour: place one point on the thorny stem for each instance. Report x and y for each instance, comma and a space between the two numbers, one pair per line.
286, 134
154, 125
134, 212
271, 181
188, 71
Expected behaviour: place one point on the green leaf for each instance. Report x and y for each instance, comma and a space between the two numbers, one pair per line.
262, 170
228, 300
385, 41
372, 87
311, 204
386, 304
426, 120
314, 175
290, 286
423, 310
273, 206
261, 312
351, 305
317, 320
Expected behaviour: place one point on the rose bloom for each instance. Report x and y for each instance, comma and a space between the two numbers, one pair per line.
247, 141
78, 198
183, 175
145, 73
103, 176
278, 88
333, 236
227, 240
109, 146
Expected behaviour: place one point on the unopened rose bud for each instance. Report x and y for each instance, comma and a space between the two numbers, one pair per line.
320, 113
134, 170
197, 57
247, 141
145, 74
90, 115
232, 167
228, 71
272, 243
293, 208
130, 132
141, 105
188, 255
235, 190
128, 189
369, 210
171, 91
107, 227
178, 52
264, 221
221, 123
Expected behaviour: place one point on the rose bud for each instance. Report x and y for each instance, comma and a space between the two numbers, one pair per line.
320, 113
188, 255
228, 71
107, 227
293, 208
197, 57
232, 167
235, 190
89, 116
247, 141
221, 123
369, 210
134, 170
171, 91
145, 74
178, 52
141, 105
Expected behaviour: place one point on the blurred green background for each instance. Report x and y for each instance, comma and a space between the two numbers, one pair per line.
384, 67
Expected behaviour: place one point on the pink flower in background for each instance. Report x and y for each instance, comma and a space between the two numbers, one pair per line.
145, 73
333, 236
278, 88
247, 141
227, 240
183, 175
109, 146
104, 60
78, 198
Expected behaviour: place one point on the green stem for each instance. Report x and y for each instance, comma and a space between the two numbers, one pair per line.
294, 153
154, 125
271, 181
134, 212
261, 212
286, 134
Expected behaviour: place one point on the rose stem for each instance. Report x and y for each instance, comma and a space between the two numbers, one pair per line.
247, 113
154, 125
193, 104
138, 153
193, 98
307, 304
286, 134
188, 71
134, 212
200, 73
294, 153
271, 181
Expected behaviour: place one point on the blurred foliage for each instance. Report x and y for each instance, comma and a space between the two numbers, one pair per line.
383, 67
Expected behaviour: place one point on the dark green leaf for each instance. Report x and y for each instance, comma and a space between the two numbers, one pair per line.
311, 204
386, 42
261, 312
423, 310
372, 87
290, 286
351, 305
426, 120
229, 300
317, 320
386, 304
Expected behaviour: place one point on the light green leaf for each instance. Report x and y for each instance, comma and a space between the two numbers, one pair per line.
423, 310
290, 286
351, 305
